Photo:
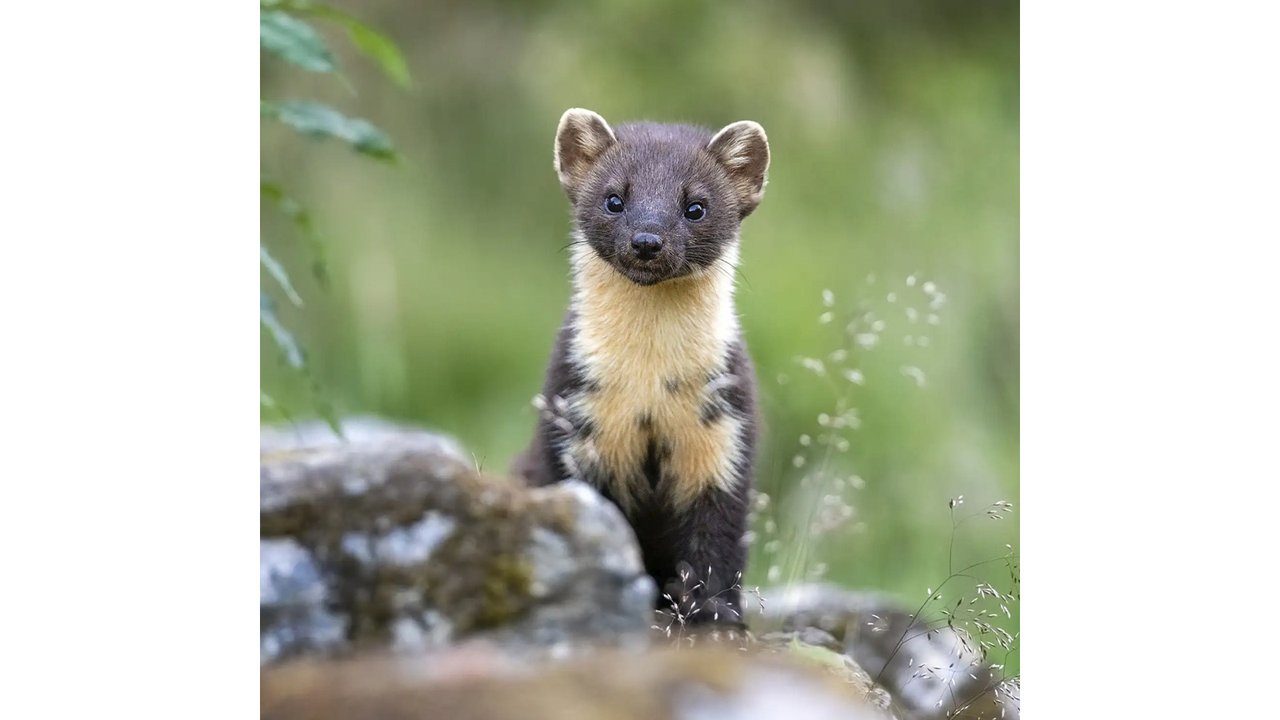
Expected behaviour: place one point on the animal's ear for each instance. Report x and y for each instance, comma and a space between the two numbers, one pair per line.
742, 149
580, 140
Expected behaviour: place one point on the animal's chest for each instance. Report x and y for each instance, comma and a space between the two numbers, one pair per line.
651, 416
656, 424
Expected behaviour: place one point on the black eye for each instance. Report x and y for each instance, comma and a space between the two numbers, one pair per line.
613, 204
695, 211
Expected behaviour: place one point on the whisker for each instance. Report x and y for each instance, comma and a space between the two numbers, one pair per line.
720, 266
736, 270
721, 271
575, 242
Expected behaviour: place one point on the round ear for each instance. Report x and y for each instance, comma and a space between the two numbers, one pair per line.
742, 149
580, 140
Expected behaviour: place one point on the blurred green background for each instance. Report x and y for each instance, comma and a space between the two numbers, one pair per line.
894, 133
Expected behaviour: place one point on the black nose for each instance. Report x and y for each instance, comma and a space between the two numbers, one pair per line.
646, 245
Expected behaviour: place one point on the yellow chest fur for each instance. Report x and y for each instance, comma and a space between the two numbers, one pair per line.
654, 356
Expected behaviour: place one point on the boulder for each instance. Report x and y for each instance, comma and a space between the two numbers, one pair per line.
476, 682
389, 538
931, 674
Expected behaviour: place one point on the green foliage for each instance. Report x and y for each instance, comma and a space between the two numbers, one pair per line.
373, 44
277, 271
284, 339
273, 193
293, 40
378, 48
320, 121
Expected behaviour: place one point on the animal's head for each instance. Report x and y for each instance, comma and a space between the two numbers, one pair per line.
659, 202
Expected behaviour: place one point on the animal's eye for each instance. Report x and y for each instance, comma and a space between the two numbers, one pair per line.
695, 211
613, 204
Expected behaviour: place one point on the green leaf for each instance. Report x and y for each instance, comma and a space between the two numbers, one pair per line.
317, 120
293, 355
293, 40
277, 271
274, 193
325, 408
376, 46
380, 49
266, 402
284, 339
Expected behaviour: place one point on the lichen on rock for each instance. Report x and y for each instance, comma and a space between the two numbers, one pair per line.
389, 538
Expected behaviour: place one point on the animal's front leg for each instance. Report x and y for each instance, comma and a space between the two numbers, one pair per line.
710, 559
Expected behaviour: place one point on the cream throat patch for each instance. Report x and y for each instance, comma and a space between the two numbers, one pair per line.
655, 363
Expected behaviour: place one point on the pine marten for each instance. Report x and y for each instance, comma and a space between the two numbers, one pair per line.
650, 394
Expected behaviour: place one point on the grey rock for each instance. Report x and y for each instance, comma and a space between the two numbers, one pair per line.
484, 683
388, 538
292, 597
356, 430
931, 674
821, 648
768, 693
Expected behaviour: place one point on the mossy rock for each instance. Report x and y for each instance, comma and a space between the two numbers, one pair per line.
391, 539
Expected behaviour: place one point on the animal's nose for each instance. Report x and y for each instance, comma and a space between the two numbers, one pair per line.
646, 245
